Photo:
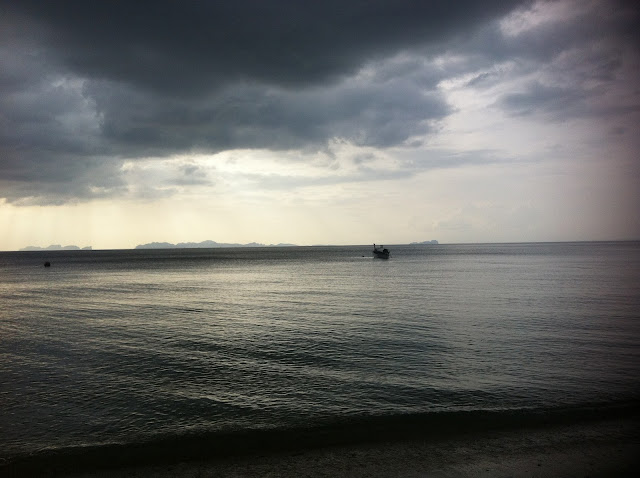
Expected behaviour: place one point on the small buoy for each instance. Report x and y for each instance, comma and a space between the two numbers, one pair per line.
47, 264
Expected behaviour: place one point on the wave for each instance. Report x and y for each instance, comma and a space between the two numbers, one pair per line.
317, 434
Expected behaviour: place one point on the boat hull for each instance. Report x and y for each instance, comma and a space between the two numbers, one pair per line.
381, 254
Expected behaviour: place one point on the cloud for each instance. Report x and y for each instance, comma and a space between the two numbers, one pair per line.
87, 87
245, 116
538, 97
190, 47
568, 59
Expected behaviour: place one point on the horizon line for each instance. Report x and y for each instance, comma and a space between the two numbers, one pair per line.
89, 249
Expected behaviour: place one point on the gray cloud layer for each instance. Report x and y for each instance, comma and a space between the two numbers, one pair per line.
186, 48
85, 84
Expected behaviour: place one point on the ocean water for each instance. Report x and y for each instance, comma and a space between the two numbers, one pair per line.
135, 346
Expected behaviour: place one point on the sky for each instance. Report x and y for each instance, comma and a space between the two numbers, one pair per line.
333, 122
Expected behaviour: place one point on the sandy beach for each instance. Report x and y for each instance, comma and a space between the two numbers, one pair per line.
592, 449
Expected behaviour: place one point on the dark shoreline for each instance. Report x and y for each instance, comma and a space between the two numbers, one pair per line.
428, 429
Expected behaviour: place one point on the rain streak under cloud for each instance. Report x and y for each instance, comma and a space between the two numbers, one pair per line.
321, 122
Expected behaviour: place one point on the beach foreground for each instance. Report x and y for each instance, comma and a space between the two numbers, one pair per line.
601, 448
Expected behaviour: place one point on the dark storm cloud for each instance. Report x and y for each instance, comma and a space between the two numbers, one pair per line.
185, 48
253, 116
84, 81
85, 85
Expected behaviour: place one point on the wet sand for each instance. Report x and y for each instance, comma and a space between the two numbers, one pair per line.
592, 449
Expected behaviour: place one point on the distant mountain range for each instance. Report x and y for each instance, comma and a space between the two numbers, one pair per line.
56, 247
203, 244
180, 245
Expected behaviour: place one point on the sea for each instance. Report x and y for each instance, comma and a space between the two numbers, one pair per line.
232, 347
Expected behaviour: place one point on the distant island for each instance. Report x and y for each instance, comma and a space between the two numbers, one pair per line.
180, 245
204, 244
56, 247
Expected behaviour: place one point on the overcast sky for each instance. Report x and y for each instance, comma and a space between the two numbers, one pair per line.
329, 122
